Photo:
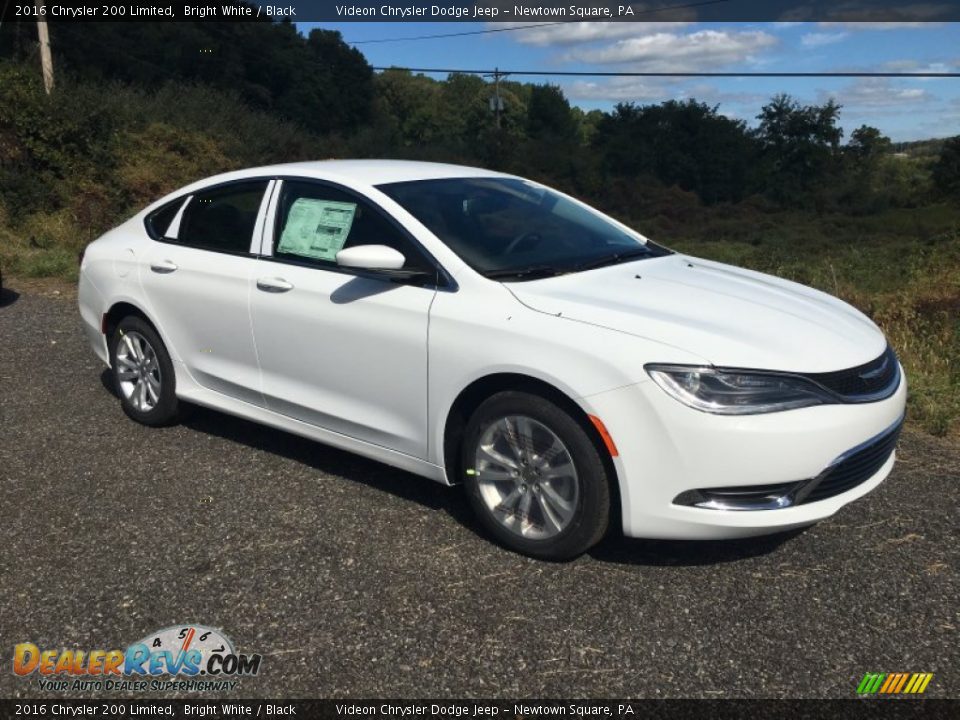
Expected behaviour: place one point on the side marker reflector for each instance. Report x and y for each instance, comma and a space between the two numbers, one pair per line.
607, 440
103, 324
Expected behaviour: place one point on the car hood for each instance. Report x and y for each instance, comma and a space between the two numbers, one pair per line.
729, 316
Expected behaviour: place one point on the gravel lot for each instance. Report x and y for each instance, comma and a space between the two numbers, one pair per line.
354, 579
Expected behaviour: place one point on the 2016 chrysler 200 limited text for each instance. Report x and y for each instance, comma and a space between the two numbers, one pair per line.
478, 328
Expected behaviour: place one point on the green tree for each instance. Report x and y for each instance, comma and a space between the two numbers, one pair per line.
867, 145
464, 110
946, 171
587, 123
866, 185
318, 81
549, 116
801, 149
414, 101
688, 144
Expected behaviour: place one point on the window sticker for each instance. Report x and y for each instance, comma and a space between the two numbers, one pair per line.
317, 228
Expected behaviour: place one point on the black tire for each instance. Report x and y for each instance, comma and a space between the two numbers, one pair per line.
592, 511
166, 411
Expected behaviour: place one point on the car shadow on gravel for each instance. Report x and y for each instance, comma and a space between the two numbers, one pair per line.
621, 550
614, 549
329, 460
106, 379
8, 297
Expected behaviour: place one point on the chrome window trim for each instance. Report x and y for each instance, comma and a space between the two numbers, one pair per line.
256, 241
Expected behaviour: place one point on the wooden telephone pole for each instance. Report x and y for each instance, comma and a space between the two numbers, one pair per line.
496, 102
46, 59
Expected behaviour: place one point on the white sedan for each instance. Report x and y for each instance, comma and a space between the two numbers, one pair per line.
481, 329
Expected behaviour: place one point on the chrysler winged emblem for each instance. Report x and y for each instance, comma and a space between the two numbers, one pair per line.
876, 372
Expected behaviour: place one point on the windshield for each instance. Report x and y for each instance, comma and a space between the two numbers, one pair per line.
511, 229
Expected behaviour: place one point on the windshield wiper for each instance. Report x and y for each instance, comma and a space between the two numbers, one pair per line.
542, 271
614, 259
526, 273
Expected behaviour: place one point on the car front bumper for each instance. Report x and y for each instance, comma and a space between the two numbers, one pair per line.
667, 449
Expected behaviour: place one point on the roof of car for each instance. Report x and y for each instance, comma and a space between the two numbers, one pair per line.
367, 172
346, 172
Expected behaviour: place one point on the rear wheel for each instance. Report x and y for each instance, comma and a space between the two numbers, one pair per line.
534, 477
143, 373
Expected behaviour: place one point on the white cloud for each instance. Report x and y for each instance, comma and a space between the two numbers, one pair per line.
713, 95
619, 90
654, 90
877, 93
671, 52
909, 65
820, 39
574, 33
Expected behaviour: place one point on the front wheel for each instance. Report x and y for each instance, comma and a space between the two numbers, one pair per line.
143, 373
534, 477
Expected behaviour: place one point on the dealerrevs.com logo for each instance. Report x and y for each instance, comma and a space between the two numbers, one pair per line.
177, 658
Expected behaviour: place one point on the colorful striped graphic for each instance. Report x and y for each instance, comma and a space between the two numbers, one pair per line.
894, 683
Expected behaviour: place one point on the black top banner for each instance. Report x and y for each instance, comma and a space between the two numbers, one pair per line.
493, 11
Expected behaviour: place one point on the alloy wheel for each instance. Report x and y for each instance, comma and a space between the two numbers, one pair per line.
527, 477
138, 371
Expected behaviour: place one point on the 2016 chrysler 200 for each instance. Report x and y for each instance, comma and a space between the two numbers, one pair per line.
478, 328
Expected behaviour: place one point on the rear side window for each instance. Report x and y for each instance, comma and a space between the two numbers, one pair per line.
158, 222
223, 218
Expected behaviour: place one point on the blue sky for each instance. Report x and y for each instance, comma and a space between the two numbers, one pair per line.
904, 109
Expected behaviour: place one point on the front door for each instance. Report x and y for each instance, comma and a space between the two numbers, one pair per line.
342, 350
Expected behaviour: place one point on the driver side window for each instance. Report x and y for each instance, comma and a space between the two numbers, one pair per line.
315, 221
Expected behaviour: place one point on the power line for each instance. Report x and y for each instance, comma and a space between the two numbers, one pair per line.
597, 73
650, 11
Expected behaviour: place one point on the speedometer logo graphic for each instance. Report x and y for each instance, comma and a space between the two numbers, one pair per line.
181, 639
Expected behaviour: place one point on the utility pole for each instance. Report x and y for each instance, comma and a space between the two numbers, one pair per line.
496, 103
43, 34
496, 93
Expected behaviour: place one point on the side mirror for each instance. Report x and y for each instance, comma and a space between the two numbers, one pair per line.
371, 257
380, 259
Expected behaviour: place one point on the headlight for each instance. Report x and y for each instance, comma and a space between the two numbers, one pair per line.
733, 392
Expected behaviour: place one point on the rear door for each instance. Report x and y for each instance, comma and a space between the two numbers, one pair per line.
197, 275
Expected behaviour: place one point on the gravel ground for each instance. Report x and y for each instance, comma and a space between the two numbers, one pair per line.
354, 579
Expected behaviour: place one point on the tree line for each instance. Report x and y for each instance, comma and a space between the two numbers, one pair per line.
794, 155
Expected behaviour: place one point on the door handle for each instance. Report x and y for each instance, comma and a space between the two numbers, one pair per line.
163, 267
274, 285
